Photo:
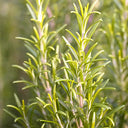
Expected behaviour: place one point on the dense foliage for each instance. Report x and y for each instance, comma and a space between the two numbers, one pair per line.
65, 76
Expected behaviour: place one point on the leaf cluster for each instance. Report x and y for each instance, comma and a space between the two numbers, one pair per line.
68, 87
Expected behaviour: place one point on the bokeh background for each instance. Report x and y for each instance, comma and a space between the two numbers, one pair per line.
14, 21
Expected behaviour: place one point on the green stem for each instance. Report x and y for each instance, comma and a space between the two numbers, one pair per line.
59, 121
44, 61
26, 120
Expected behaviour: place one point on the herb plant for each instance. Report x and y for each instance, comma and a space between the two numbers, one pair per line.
117, 45
67, 86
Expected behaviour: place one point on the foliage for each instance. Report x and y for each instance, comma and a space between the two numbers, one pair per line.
67, 85
116, 39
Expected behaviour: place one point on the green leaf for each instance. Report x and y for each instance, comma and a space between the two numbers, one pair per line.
33, 58
23, 106
32, 104
46, 4
31, 11
62, 80
64, 87
79, 18
31, 48
20, 67
29, 86
93, 120
97, 54
54, 34
43, 125
25, 39
54, 92
111, 120
71, 48
40, 100
95, 95
32, 7
46, 105
77, 41
36, 33
18, 118
62, 113
14, 107
81, 7
90, 50
115, 110
49, 19
22, 81
93, 5
48, 121
50, 98
17, 100
63, 104
9, 113
92, 28
102, 106
110, 113
109, 88
105, 83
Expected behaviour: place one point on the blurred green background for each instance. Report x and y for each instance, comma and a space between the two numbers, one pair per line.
14, 21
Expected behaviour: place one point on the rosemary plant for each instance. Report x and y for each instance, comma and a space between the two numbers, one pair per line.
67, 88
117, 45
